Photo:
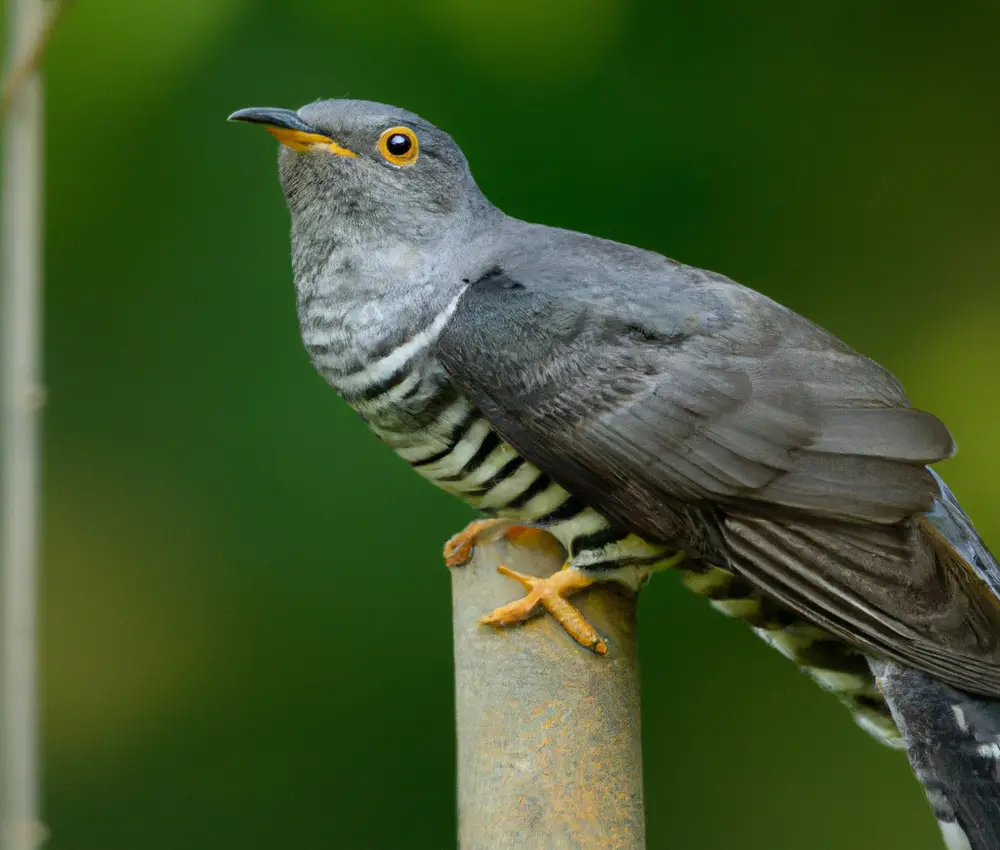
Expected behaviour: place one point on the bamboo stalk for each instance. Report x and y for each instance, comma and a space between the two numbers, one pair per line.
20, 290
29, 58
549, 750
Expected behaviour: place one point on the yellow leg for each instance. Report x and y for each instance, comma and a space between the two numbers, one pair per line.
458, 550
551, 594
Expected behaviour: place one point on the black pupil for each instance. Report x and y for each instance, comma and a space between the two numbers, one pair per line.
398, 144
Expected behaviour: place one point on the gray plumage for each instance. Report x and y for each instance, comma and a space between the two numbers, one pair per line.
744, 410
952, 741
630, 394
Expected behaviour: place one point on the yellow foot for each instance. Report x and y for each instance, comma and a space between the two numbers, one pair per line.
551, 593
458, 550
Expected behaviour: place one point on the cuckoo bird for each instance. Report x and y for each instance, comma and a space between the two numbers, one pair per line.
647, 414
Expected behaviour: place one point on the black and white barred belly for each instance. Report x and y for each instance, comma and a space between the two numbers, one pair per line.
442, 435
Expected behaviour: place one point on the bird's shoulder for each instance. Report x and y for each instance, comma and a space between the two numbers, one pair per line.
547, 294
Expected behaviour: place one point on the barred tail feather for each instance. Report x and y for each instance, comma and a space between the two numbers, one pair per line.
952, 739
953, 742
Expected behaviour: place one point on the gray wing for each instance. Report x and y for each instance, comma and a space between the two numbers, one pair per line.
693, 390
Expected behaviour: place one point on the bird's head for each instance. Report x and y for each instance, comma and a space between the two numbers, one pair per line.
365, 170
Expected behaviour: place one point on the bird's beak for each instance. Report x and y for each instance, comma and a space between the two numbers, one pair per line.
286, 126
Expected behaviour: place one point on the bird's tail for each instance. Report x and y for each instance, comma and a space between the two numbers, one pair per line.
952, 738
953, 743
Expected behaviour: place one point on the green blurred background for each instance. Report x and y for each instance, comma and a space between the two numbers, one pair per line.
234, 568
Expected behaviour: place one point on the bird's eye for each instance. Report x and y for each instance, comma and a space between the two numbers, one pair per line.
399, 145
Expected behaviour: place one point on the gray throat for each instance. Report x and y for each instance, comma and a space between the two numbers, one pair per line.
370, 306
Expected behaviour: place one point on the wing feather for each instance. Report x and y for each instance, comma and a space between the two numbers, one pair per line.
807, 455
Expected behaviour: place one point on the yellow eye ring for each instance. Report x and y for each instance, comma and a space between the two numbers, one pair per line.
399, 146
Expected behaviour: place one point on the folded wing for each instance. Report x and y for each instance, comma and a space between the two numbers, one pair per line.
807, 454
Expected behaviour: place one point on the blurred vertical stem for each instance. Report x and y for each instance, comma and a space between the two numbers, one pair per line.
549, 750
20, 297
